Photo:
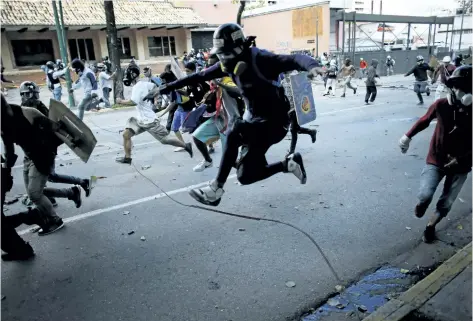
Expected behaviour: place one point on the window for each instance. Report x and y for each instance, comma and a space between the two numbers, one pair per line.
161, 46
82, 49
32, 52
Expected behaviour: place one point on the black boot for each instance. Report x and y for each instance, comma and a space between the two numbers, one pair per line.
25, 252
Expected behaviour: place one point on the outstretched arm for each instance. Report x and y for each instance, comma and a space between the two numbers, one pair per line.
424, 121
205, 75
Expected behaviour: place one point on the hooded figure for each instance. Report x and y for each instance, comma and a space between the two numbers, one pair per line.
88, 83
370, 81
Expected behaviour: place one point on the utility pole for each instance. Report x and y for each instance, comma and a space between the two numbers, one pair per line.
62, 48
114, 52
317, 32
461, 26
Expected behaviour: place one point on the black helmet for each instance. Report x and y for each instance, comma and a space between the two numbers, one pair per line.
50, 65
347, 61
228, 38
29, 92
78, 65
461, 79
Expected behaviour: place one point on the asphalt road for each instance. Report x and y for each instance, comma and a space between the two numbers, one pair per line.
198, 265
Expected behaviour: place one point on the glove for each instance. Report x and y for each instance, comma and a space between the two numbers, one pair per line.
404, 143
314, 72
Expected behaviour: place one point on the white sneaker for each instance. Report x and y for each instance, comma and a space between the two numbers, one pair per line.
202, 166
295, 165
208, 195
179, 149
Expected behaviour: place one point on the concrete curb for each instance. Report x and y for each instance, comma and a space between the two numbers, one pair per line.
419, 294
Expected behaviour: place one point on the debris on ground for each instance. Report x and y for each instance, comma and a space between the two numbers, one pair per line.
126, 212
101, 177
241, 229
333, 302
143, 238
459, 227
408, 228
339, 288
404, 271
145, 167
461, 200
290, 284
131, 232
362, 308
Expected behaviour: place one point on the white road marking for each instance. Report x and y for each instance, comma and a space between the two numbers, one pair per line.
79, 217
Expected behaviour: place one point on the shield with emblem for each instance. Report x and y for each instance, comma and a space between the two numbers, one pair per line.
74, 133
176, 70
301, 97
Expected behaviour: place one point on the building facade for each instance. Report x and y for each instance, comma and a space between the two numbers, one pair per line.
149, 30
288, 27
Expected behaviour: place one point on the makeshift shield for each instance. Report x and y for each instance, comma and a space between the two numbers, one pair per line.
73, 132
176, 70
302, 98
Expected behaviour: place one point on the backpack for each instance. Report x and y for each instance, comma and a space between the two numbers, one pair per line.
93, 81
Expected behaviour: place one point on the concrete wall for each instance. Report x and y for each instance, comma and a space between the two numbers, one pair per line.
405, 59
214, 12
274, 32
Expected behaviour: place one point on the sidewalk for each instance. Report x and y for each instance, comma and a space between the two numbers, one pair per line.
444, 295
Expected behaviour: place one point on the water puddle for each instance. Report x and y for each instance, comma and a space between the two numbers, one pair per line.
371, 292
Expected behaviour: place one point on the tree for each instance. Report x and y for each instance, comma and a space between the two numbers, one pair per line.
464, 4
114, 50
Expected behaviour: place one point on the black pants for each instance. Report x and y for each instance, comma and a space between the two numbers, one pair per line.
295, 130
370, 91
256, 137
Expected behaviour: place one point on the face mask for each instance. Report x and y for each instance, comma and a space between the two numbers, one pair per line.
457, 96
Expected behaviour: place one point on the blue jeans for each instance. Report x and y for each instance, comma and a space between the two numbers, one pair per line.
106, 96
57, 93
429, 180
83, 105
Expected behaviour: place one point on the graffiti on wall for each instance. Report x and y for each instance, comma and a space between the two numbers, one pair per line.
304, 22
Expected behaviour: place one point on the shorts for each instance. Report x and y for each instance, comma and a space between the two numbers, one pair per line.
155, 128
179, 117
208, 131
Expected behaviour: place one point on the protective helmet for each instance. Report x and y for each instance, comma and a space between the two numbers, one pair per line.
361, 59
389, 57
447, 59
147, 72
78, 65
29, 92
229, 41
50, 65
419, 58
132, 72
213, 59
348, 61
460, 84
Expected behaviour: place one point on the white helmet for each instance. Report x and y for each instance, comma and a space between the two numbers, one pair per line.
361, 58
389, 57
333, 62
446, 59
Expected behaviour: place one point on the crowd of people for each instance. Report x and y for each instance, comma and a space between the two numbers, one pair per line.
242, 97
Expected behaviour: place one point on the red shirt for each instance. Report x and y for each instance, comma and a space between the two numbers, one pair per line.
363, 64
452, 134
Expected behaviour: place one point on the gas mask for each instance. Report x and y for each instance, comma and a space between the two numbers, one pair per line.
420, 62
458, 97
130, 75
229, 60
29, 99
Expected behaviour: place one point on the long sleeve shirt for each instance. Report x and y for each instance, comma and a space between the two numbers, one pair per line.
451, 137
444, 71
264, 100
85, 81
420, 72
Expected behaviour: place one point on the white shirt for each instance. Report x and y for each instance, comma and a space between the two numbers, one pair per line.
105, 80
145, 111
84, 82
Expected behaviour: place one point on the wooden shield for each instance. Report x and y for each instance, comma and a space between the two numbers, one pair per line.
74, 133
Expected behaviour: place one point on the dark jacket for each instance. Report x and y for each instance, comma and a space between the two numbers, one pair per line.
37, 140
264, 100
370, 81
420, 72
